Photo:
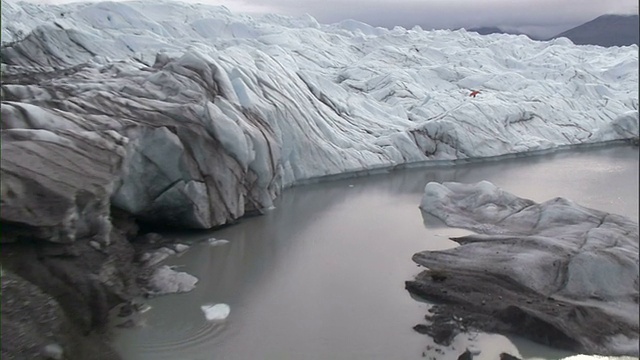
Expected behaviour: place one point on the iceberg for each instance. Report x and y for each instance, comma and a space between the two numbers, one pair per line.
166, 280
218, 112
217, 242
556, 272
216, 312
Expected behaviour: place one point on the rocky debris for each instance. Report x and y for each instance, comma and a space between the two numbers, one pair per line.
131, 307
129, 314
127, 324
35, 326
557, 273
58, 233
466, 355
443, 333
126, 309
505, 356
56, 185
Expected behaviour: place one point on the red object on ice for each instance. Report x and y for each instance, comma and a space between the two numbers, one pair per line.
474, 93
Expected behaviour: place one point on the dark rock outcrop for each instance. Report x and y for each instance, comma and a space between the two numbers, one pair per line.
56, 185
34, 326
59, 240
506, 356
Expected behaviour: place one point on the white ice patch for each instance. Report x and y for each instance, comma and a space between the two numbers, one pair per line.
165, 280
217, 242
216, 312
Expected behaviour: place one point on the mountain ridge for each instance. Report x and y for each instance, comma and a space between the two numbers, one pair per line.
605, 30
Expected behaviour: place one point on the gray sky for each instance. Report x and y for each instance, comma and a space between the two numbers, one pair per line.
537, 17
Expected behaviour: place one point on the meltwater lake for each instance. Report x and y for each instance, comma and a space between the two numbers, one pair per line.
322, 275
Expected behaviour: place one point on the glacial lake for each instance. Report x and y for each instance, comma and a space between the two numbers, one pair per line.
322, 275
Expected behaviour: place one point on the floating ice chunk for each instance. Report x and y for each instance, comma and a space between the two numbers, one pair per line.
143, 308
217, 312
216, 242
181, 248
165, 280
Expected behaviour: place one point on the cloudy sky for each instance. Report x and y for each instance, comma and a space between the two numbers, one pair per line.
541, 18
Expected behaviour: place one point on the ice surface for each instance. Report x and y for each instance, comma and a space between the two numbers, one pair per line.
217, 242
166, 280
288, 99
558, 249
216, 312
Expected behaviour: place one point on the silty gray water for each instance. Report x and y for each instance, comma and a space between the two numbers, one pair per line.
322, 275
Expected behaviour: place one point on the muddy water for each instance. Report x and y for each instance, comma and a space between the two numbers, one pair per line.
322, 275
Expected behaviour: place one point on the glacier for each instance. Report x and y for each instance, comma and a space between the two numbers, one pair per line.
555, 272
217, 112
191, 116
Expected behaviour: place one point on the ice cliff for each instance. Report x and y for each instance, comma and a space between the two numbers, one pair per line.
219, 111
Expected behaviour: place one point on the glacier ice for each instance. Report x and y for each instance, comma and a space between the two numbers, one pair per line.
220, 111
217, 242
216, 312
556, 265
166, 280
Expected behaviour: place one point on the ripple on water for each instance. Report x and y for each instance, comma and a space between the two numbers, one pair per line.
185, 338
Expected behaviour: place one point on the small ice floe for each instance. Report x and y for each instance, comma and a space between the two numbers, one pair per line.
143, 308
217, 312
165, 280
350, 185
179, 248
217, 242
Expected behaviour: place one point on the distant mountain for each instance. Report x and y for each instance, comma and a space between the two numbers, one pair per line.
605, 30
486, 30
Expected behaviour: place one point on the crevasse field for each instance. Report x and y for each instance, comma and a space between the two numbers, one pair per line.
288, 99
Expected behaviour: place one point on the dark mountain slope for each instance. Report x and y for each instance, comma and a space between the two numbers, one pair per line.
605, 30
